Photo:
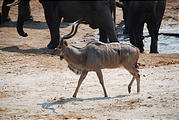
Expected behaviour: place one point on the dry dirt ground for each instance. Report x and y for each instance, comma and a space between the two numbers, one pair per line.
36, 85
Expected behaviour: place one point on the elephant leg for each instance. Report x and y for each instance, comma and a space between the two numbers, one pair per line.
55, 35
112, 35
23, 11
136, 38
5, 10
53, 22
107, 31
154, 25
110, 30
135, 25
153, 31
106, 25
107, 37
125, 17
140, 43
140, 37
103, 36
28, 16
154, 44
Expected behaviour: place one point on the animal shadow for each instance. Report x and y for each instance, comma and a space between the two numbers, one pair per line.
61, 101
33, 24
33, 51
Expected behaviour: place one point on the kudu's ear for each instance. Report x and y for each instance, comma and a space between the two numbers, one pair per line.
65, 43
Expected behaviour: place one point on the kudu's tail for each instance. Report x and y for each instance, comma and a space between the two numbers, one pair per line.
73, 30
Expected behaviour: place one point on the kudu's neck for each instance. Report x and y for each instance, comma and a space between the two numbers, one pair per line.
73, 55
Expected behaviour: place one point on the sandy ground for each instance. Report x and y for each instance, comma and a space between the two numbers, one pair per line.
36, 85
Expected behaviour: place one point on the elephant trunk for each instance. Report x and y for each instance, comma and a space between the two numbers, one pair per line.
20, 23
22, 13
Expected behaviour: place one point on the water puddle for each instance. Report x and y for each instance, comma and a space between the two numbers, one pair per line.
166, 44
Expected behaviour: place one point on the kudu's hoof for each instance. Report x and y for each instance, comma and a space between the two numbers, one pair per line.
74, 96
129, 90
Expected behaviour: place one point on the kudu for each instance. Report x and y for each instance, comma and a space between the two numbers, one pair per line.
96, 56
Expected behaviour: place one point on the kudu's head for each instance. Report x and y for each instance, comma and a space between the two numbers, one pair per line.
63, 43
61, 49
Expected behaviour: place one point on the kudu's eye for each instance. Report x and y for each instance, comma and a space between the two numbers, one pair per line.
55, 49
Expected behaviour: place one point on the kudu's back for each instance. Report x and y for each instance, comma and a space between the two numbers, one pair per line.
112, 55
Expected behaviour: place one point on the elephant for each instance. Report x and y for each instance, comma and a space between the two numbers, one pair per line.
97, 13
0, 19
6, 8
136, 13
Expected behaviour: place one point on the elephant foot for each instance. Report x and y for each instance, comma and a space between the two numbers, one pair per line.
52, 45
29, 19
103, 41
7, 19
154, 51
141, 50
114, 41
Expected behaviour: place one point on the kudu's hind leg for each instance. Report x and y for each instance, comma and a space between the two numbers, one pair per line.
130, 84
100, 76
82, 77
135, 73
137, 77
138, 83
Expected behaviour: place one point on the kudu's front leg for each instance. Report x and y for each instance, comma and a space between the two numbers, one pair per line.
100, 76
82, 77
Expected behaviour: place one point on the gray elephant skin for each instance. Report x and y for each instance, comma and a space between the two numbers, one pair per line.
136, 13
98, 14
